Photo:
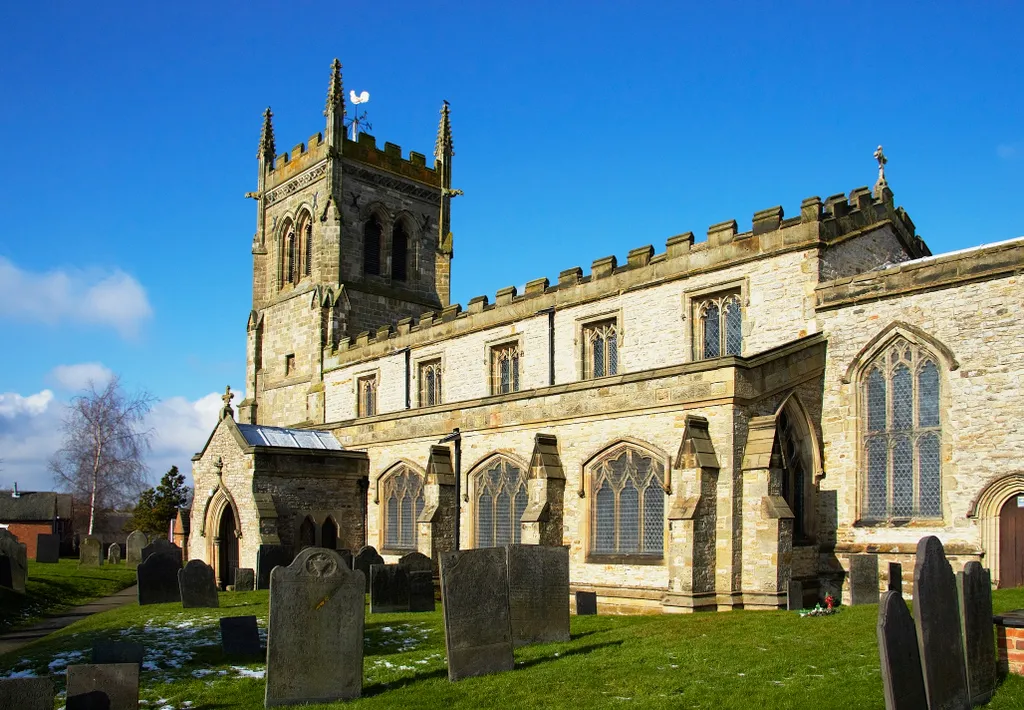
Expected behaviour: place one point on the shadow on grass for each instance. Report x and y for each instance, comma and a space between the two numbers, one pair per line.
582, 651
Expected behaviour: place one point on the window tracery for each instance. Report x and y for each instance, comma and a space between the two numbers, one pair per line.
628, 509
403, 503
500, 501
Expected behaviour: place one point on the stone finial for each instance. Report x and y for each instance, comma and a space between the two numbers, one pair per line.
443, 146
335, 90
882, 183
227, 411
266, 149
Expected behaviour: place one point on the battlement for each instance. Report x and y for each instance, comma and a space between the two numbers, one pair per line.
301, 157
364, 150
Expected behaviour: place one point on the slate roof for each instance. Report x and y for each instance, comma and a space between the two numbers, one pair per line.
280, 438
34, 506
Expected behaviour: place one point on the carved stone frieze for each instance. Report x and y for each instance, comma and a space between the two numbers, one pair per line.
296, 183
392, 183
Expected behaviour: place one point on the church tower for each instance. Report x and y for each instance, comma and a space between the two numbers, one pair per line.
349, 238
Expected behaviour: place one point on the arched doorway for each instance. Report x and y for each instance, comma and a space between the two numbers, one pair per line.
794, 450
228, 555
329, 534
1011, 541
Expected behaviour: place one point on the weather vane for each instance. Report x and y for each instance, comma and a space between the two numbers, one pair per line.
358, 121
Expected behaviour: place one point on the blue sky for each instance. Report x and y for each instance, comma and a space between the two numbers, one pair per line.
581, 130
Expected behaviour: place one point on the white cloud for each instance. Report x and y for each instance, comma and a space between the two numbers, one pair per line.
96, 297
13, 405
78, 377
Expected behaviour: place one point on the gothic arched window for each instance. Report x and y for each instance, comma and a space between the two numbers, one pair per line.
720, 330
309, 248
628, 508
500, 498
403, 503
307, 533
901, 434
329, 534
292, 247
372, 232
600, 349
793, 445
399, 253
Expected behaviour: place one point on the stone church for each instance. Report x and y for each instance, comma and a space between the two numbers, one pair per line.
699, 424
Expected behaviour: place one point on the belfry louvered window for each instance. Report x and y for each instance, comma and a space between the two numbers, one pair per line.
309, 248
372, 232
292, 258
403, 503
430, 383
505, 368
628, 504
719, 326
500, 501
399, 253
600, 349
901, 435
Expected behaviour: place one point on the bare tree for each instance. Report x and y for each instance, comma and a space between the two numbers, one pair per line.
101, 459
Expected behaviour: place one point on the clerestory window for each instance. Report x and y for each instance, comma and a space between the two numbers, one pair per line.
600, 349
719, 320
505, 368
430, 383
367, 396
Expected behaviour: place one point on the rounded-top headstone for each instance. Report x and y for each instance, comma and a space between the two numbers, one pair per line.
366, 558
198, 584
417, 562
133, 547
90, 551
114, 554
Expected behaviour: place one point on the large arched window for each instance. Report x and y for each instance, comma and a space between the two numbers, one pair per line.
628, 508
399, 253
901, 427
372, 232
403, 503
500, 498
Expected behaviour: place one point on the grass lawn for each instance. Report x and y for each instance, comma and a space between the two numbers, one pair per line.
752, 659
53, 588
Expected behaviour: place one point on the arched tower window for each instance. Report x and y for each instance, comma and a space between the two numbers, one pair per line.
901, 430
500, 498
372, 232
399, 252
307, 231
403, 503
628, 503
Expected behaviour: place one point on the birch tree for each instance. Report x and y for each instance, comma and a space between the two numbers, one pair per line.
105, 442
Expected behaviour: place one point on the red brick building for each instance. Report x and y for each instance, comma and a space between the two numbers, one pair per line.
28, 514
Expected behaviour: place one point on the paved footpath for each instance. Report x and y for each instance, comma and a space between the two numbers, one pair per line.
16, 639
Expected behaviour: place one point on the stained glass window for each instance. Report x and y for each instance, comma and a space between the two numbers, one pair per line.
403, 503
628, 516
719, 326
501, 498
601, 349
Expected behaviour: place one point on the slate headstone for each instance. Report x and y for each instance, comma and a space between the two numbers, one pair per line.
245, 579
240, 636
389, 589
477, 630
863, 579
158, 580
315, 632
13, 562
134, 546
161, 546
113, 686
974, 590
198, 585
366, 558
900, 656
538, 593
104, 652
896, 577
421, 591
26, 693
114, 554
795, 596
586, 603
267, 558
417, 562
90, 552
48, 549
937, 619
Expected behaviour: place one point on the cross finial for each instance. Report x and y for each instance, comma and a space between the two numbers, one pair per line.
227, 411
882, 184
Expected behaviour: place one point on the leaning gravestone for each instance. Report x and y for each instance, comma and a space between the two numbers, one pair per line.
863, 579
105, 652
974, 590
245, 579
158, 580
198, 585
899, 654
538, 593
421, 591
366, 558
937, 618
114, 554
477, 631
267, 558
240, 637
90, 552
13, 562
586, 603
315, 631
795, 596
134, 546
389, 589
113, 686
26, 693
160, 546
417, 562
896, 577
48, 549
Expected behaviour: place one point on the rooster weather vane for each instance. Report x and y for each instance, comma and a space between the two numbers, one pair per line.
358, 121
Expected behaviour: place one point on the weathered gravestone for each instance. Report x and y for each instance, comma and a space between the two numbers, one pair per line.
586, 603
26, 693
90, 552
160, 546
974, 590
896, 577
198, 585
416, 562
795, 596
134, 546
245, 579
48, 549
13, 562
421, 591
315, 631
267, 558
366, 558
346, 556
538, 593
113, 686
105, 652
900, 657
937, 618
114, 554
477, 630
863, 579
158, 580
389, 589
240, 636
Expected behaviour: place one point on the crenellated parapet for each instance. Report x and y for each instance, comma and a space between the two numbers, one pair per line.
364, 150
301, 157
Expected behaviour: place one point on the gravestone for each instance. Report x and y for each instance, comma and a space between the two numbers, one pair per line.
267, 558
158, 580
900, 657
26, 693
198, 585
795, 596
90, 552
586, 603
863, 579
240, 636
896, 577
974, 591
538, 593
114, 554
937, 619
113, 686
366, 558
389, 589
160, 546
245, 579
421, 591
477, 630
417, 562
13, 562
346, 556
133, 548
315, 632
104, 652
48, 549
